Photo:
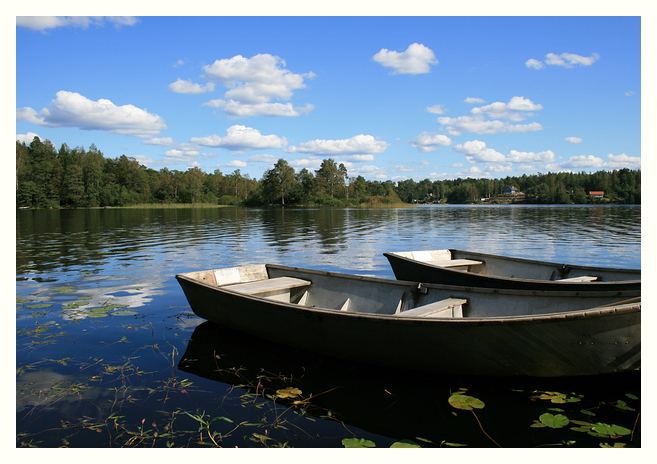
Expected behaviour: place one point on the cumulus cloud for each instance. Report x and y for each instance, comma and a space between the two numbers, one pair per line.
435, 109
573, 140
253, 83
512, 110
479, 125
357, 145
27, 138
162, 141
474, 100
593, 162
530, 157
241, 138
532, 63
417, 59
475, 151
43, 23
270, 159
70, 109
181, 86
236, 109
565, 60
430, 141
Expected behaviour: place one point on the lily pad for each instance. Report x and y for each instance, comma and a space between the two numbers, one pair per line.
465, 402
357, 443
405, 444
554, 421
39, 305
64, 289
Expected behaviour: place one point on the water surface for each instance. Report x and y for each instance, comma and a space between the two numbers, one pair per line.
110, 354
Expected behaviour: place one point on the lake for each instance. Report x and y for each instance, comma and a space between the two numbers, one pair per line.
109, 353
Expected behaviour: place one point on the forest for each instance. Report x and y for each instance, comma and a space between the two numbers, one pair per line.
79, 178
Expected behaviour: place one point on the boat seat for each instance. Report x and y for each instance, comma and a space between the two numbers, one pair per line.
277, 289
457, 263
450, 307
579, 279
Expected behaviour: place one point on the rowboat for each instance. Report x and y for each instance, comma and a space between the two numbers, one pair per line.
471, 269
427, 327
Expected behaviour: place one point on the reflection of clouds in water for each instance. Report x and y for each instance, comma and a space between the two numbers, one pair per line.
45, 387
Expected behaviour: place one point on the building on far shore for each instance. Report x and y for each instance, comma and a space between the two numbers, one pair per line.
509, 190
597, 194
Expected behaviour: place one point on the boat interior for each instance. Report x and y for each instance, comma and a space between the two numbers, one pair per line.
360, 294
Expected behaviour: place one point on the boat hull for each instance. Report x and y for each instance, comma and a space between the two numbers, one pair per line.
606, 340
512, 273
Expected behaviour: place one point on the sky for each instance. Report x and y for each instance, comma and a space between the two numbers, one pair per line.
390, 97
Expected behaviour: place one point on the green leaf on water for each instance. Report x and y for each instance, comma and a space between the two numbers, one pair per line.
75, 304
620, 404
405, 444
609, 430
23, 300
64, 289
40, 305
465, 402
357, 443
615, 445
554, 421
631, 396
588, 413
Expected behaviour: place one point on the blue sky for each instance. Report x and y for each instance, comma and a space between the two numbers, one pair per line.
390, 97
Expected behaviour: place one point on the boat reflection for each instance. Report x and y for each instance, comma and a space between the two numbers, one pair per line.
395, 403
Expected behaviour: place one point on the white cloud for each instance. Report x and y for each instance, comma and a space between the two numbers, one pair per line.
532, 63
27, 138
178, 63
435, 109
42, 23
415, 60
629, 93
476, 152
263, 159
512, 110
573, 140
241, 138
577, 163
530, 157
565, 60
474, 100
236, 109
479, 125
623, 161
70, 109
357, 145
357, 158
312, 163
430, 141
181, 86
253, 82
162, 141
370, 171
235, 164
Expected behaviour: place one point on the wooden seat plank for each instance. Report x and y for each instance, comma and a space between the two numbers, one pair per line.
278, 284
444, 307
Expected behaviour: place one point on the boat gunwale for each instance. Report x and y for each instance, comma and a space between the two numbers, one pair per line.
594, 312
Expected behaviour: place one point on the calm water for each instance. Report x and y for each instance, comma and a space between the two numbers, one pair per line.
109, 353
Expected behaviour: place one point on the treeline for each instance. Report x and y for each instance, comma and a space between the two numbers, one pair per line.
619, 186
46, 177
